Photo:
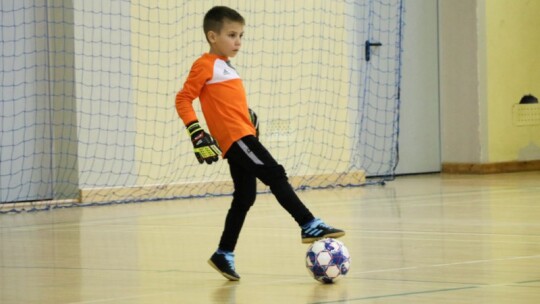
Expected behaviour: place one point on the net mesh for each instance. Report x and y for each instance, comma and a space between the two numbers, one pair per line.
88, 91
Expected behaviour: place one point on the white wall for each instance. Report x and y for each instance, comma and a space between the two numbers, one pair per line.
419, 138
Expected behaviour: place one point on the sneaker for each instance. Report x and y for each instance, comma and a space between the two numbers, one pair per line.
317, 229
224, 264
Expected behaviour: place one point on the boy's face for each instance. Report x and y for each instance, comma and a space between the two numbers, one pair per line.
228, 41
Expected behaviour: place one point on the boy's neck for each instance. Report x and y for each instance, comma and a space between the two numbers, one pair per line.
216, 54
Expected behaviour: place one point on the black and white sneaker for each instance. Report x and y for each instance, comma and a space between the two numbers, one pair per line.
317, 229
224, 264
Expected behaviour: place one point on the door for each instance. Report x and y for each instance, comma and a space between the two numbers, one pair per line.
378, 47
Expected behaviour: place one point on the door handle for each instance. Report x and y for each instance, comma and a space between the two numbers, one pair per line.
368, 48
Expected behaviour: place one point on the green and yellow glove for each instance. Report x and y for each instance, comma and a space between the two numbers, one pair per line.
204, 146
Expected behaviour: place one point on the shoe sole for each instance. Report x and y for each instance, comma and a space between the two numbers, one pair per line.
330, 235
228, 276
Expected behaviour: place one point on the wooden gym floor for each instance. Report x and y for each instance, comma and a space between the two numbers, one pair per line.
419, 239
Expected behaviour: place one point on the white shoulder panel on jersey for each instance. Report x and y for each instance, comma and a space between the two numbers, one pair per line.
222, 72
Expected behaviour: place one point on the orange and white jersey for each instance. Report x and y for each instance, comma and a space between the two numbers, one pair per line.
223, 100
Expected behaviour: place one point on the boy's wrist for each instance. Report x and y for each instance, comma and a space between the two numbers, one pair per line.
188, 125
193, 129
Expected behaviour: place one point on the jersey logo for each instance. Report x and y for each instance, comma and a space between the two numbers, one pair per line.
222, 72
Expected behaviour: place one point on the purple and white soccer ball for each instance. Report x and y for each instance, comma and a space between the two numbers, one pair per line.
328, 260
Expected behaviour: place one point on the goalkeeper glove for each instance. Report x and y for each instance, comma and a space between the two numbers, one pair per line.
204, 145
254, 120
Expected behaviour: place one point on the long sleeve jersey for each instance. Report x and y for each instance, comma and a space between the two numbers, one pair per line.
223, 100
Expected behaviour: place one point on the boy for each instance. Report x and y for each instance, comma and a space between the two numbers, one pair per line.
224, 105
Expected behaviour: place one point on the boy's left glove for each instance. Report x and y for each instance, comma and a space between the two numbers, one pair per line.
254, 120
204, 145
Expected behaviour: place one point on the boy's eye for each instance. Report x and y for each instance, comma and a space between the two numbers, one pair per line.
234, 35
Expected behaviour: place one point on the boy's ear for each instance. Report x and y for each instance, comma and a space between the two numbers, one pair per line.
211, 35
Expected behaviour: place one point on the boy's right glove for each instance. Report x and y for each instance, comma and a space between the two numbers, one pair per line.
204, 145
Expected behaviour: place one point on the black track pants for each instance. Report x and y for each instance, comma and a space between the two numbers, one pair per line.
249, 160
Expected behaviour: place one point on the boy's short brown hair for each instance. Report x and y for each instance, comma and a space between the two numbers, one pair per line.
216, 16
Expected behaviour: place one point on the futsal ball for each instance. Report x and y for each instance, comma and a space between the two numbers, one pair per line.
328, 260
